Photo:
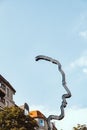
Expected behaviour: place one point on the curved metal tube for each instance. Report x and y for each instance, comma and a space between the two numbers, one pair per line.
64, 96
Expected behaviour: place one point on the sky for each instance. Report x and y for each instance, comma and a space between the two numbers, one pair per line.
57, 29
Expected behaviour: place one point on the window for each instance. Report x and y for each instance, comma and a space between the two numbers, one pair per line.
2, 100
41, 122
7, 92
3, 87
7, 103
11, 96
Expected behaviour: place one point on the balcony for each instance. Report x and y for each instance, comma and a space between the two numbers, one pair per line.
2, 100
2, 90
2, 103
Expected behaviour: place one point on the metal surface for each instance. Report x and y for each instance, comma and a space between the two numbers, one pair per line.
64, 96
26, 106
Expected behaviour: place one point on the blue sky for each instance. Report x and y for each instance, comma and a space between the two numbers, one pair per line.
44, 27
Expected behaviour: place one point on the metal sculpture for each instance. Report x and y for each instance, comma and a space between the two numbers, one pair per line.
26, 107
64, 96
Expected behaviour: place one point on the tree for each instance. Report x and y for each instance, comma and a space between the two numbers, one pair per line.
13, 118
80, 127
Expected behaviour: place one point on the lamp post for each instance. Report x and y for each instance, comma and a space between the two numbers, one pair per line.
64, 96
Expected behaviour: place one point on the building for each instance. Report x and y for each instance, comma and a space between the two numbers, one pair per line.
6, 93
6, 99
41, 120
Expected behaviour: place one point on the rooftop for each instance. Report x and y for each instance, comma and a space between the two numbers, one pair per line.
6, 82
36, 114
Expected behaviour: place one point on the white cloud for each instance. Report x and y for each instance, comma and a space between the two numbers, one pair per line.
73, 116
83, 34
82, 61
85, 70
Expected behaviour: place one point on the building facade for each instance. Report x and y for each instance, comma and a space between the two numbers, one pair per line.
6, 93
6, 100
41, 120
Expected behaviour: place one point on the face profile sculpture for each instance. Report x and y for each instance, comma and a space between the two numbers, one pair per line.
64, 96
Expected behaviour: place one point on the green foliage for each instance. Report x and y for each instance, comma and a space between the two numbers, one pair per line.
13, 118
80, 127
